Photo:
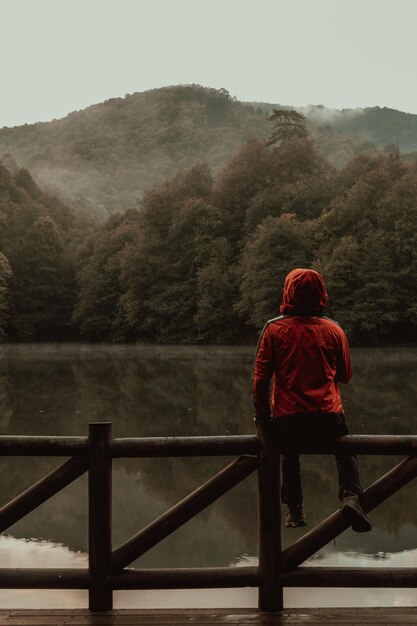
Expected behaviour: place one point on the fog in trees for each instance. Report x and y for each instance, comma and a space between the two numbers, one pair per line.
203, 257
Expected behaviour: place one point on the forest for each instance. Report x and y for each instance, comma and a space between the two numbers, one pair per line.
204, 256
104, 158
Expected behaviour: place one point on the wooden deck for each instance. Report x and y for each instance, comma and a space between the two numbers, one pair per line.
231, 617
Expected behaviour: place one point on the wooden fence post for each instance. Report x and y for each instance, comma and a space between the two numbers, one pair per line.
270, 549
99, 516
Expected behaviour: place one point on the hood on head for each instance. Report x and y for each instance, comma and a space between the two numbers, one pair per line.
304, 293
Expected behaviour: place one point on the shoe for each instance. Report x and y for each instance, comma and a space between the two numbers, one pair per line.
352, 509
295, 516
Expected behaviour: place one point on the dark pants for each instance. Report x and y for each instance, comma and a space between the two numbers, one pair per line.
324, 427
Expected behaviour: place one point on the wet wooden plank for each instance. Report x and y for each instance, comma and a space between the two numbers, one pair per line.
211, 617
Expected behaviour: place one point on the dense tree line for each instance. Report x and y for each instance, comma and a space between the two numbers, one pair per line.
38, 239
204, 257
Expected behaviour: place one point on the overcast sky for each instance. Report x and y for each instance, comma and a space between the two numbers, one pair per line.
58, 56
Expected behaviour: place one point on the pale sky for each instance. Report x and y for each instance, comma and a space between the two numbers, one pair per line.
58, 56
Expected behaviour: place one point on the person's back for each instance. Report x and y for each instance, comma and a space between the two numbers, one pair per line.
310, 357
306, 354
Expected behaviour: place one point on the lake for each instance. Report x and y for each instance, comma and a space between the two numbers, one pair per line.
56, 389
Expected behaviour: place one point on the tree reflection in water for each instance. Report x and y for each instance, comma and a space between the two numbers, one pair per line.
167, 390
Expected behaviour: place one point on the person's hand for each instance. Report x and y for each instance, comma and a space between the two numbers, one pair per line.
264, 431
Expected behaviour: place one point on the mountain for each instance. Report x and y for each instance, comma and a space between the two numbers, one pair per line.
381, 126
105, 157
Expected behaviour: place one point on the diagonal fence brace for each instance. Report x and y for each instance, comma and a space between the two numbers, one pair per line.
183, 511
41, 491
336, 523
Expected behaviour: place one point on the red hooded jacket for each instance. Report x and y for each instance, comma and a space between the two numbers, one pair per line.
305, 353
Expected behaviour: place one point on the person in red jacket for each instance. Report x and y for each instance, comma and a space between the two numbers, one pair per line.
306, 355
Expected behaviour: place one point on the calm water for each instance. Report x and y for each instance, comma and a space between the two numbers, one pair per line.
150, 391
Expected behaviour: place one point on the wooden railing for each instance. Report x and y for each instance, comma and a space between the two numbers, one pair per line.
277, 568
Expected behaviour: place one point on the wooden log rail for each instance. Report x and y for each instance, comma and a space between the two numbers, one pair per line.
277, 568
16, 445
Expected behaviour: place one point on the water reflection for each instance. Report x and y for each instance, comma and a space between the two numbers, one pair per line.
24, 553
148, 390
19, 553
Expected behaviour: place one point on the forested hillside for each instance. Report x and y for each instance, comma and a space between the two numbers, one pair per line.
204, 257
105, 157
379, 126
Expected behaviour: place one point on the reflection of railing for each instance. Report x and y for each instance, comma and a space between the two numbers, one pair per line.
277, 568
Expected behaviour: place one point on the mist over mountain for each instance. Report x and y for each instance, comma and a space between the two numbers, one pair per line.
381, 126
105, 157
203, 257
365, 127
